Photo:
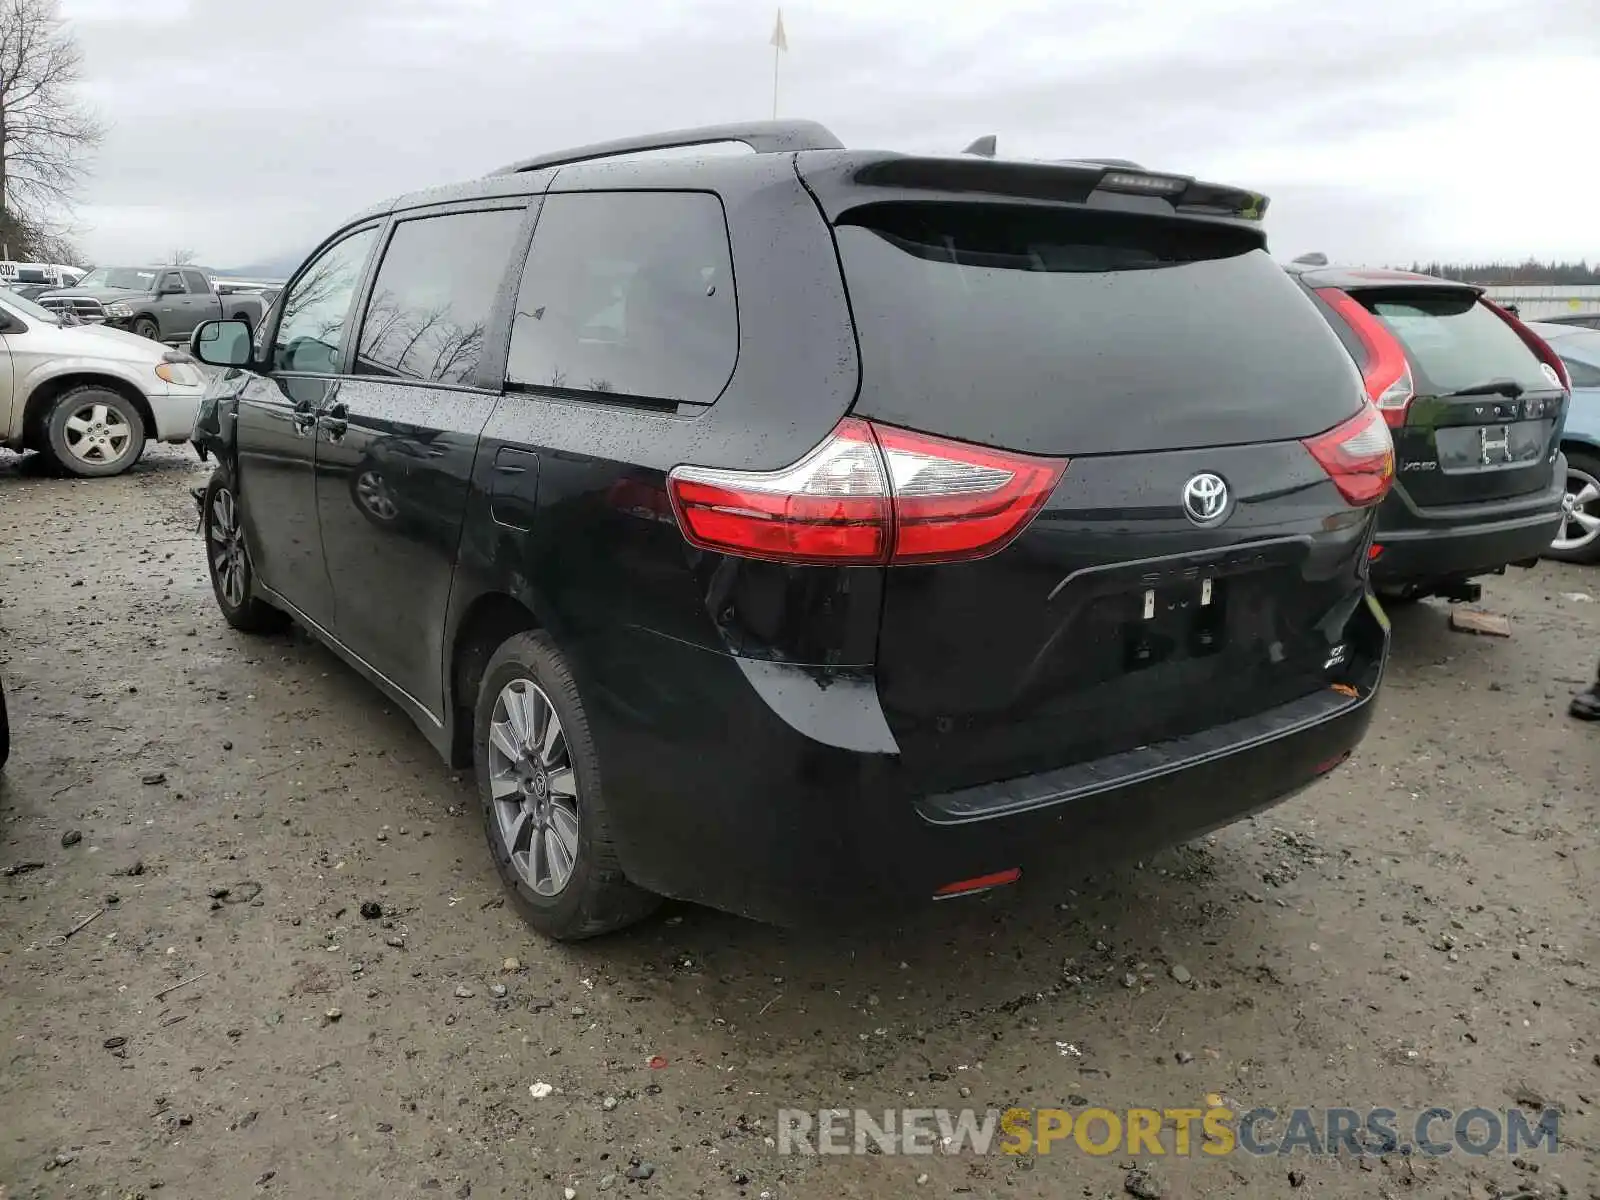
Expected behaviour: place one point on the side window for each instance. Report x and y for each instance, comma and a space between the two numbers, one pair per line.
433, 296
316, 308
627, 292
1584, 375
170, 279
196, 282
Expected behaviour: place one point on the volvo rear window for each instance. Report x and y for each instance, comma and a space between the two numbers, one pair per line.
1454, 341
1074, 331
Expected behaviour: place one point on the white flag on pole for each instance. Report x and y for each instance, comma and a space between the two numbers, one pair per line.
779, 39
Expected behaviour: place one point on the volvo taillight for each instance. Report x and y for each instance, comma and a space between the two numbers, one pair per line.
1358, 456
868, 494
1386, 373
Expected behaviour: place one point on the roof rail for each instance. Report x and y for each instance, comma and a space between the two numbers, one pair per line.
1124, 163
764, 137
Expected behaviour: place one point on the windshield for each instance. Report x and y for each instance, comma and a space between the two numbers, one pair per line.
134, 279
27, 308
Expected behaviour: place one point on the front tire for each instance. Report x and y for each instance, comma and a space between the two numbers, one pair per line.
228, 561
147, 328
94, 432
539, 784
1578, 538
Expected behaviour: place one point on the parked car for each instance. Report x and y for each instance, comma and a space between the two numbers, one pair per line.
1585, 320
164, 304
1475, 400
813, 531
1578, 537
88, 397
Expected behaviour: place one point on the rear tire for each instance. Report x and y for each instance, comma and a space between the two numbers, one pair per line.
94, 432
544, 810
228, 561
1583, 495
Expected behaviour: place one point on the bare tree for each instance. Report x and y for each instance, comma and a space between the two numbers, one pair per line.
180, 258
46, 134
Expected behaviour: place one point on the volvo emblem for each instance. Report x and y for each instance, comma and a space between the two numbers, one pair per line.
1205, 499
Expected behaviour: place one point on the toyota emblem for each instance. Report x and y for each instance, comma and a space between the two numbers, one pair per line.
1205, 498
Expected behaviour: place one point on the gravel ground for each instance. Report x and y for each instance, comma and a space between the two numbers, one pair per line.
1419, 929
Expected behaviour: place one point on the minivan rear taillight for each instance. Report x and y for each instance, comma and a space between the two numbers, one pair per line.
868, 494
1534, 342
1358, 456
1385, 372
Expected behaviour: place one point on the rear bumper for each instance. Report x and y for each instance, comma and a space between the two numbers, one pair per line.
1427, 546
719, 798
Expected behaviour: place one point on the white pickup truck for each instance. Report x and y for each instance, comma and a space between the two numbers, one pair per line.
89, 397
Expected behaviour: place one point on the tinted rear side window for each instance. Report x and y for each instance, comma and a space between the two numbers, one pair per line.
628, 293
433, 296
1071, 331
196, 282
1453, 341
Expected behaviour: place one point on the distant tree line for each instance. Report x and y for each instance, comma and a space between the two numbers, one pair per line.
1531, 271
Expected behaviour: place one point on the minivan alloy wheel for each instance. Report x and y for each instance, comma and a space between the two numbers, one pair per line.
534, 787
98, 434
1580, 512
227, 547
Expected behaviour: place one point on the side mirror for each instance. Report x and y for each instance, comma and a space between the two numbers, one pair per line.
170, 289
222, 343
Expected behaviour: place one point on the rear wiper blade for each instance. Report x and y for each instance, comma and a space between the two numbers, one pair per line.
1493, 387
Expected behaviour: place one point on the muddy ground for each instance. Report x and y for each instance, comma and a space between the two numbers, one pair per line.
1419, 929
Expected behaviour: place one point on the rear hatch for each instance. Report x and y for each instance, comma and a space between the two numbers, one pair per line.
1481, 419
1151, 351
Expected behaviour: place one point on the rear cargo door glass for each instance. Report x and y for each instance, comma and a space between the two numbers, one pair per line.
1079, 331
1454, 341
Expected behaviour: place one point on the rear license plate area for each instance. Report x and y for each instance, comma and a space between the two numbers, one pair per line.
1175, 621
1464, 448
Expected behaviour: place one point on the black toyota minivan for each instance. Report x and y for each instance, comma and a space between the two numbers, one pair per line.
811, 531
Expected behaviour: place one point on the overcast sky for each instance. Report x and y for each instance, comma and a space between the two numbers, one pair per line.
1384, 130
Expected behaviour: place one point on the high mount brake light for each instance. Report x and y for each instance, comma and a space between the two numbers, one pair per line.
869, 494
1358, 456
1386, 373
1534, 342
1141, 183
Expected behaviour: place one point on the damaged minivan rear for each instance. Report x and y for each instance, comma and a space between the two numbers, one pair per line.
845, 530
1072, 567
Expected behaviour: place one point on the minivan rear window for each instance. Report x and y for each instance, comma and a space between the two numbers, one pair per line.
1078, 331
1453, 340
